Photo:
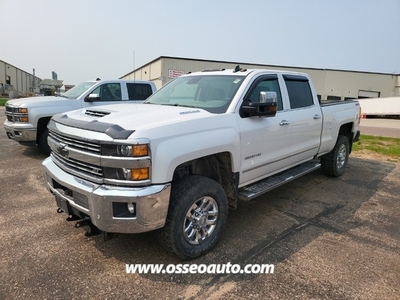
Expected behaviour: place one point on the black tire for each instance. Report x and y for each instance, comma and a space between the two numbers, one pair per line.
334, 163
42, 142
194, 200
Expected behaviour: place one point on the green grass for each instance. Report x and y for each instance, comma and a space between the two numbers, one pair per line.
383, 145
3, 101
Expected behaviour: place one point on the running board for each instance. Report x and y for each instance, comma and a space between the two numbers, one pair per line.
256, 189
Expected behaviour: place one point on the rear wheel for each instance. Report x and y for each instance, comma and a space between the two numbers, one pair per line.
334, 163
197, 212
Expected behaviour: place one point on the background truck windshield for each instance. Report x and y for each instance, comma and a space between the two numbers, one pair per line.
78, 90
213, 93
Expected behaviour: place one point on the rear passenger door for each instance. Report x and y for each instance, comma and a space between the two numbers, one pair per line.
305, 119
139, 92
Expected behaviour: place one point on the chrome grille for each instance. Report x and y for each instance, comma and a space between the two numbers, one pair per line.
82, 169
10, 111
76, 143
74, 166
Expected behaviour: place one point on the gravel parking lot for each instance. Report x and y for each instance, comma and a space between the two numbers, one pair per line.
329, 238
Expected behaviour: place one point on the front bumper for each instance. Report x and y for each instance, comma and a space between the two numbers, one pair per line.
22, 133
98, 201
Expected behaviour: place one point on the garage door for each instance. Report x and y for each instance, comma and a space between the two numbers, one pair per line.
368, 94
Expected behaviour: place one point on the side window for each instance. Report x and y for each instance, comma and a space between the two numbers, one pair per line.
139, 91
109, 92
299, 92
267, 85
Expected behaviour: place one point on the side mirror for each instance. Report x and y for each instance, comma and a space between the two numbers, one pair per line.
266, 107
92, 97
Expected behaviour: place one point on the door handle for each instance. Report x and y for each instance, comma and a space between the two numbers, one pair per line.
316, 117
284, 122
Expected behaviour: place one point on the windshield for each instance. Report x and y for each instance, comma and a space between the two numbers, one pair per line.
78, 90
213, 93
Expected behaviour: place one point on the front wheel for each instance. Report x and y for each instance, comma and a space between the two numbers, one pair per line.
43, 142
334, 163
197, 212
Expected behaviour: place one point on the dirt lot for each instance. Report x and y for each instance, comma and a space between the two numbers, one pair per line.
328, 238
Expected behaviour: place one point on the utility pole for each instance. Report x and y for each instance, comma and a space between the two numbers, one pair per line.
133, 65
33, 80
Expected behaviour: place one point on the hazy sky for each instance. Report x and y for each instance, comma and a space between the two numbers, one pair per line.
85, 39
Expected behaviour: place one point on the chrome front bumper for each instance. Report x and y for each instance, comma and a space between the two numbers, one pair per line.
99, 202
24, 133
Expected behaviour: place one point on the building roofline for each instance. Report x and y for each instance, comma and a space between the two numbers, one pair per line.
19, 69
255, 64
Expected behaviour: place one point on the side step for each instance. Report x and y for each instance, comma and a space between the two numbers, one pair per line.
256, 189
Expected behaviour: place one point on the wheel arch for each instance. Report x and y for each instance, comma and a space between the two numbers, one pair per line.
218, 167
346, 130
41, 126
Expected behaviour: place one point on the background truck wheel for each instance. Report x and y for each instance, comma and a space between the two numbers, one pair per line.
197, 212
42, 142
334, 163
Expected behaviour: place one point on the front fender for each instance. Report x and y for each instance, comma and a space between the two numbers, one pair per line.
171, 153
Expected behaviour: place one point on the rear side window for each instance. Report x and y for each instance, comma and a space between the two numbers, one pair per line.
299, 91
139, 91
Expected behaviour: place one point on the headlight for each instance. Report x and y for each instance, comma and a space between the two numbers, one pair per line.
138, 150
136, 174
22, 110
124, 150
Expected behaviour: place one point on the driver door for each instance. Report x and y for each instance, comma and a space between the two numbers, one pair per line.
265, 141
107, 93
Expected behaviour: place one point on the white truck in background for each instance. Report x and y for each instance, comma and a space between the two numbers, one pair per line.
199, 145
27, 118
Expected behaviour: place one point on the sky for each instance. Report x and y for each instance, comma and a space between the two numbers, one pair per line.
86, 39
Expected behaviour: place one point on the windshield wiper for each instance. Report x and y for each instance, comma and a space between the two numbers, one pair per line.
170, 104
60, 95
182, 105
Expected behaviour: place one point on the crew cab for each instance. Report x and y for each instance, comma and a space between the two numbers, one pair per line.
198, 146
27, 118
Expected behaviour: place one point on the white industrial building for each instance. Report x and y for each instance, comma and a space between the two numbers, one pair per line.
329, 83
13, 79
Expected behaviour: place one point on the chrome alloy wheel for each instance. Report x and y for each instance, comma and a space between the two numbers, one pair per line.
201, 220
341, 157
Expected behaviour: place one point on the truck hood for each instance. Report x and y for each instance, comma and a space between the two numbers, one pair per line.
40, 101
130, 117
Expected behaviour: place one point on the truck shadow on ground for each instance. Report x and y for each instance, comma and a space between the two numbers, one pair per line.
271, 228
34, 152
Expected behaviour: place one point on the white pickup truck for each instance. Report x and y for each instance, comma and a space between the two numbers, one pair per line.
203, 142
27, 118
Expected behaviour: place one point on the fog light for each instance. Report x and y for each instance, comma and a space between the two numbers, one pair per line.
131, 208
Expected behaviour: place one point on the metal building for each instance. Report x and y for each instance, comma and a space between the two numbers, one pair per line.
329, 83
13, 79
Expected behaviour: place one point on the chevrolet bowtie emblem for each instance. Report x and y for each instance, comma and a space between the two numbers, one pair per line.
62, 149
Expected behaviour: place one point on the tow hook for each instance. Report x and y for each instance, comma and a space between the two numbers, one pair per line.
93, 230
72, 218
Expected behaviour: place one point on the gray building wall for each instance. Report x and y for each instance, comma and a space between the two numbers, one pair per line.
329, 83
20, 80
